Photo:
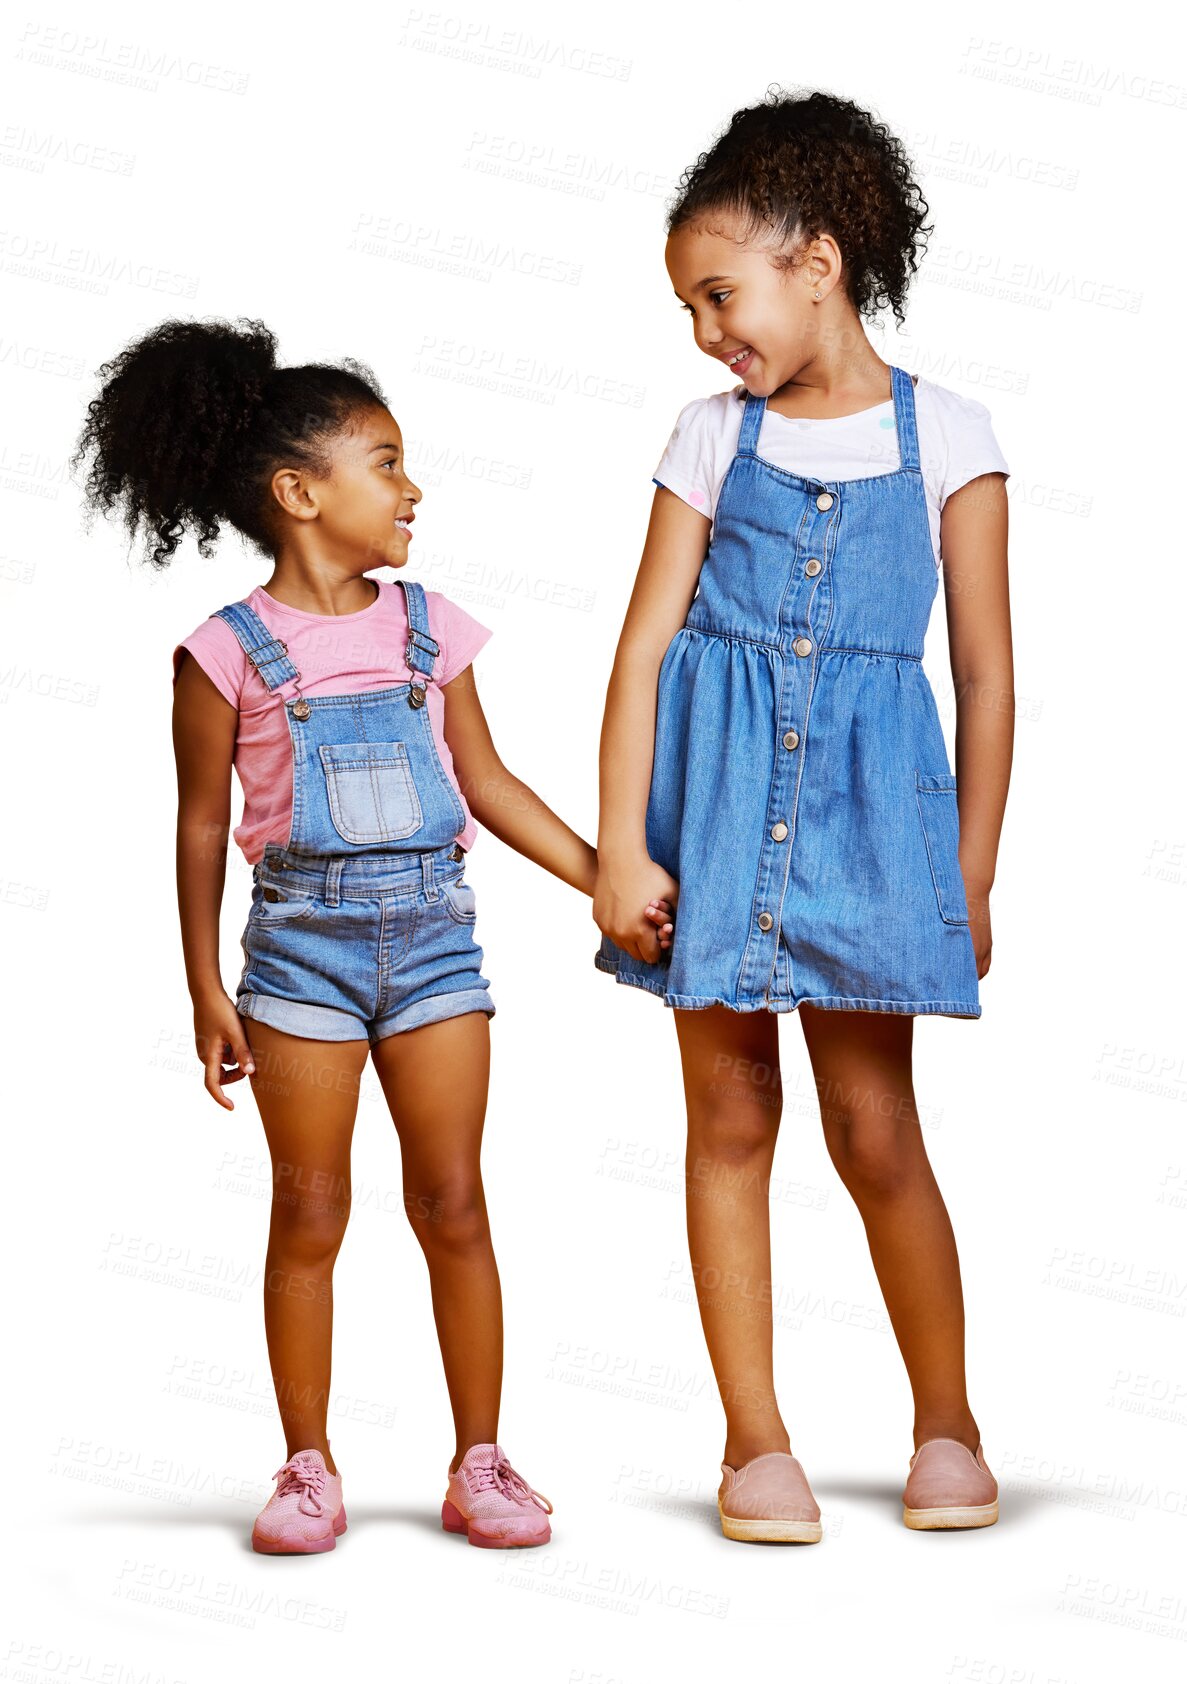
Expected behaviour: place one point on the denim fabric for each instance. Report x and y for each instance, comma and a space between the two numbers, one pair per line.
362, 924
801, 793
371, 945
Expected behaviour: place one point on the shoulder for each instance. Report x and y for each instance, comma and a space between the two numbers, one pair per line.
457, 631
957, 434
219, 653
709, 416
952, 410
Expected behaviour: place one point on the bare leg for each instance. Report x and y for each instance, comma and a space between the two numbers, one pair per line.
734, 1098
861, 1062
308, 1094
435, 1079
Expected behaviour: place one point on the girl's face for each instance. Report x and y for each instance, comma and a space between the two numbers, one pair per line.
360, 507
740, 303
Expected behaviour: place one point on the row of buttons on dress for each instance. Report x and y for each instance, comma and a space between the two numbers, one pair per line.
779, 833
791, 739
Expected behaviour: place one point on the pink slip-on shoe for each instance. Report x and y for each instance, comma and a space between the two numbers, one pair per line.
948, 1487
304, 1515
768, 1501
492, 1504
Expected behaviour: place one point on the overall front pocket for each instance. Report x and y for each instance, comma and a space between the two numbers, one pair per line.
935, 794
371, 791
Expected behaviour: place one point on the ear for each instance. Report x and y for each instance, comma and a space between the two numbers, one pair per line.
295, 494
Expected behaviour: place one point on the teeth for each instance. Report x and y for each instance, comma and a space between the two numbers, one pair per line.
402, 523
737, 357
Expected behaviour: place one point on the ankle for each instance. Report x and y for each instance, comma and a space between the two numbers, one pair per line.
962, 1427
318, 1444
461, 1449
741, 1448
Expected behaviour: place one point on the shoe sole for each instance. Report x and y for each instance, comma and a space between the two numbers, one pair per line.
770, 1531
453, 1520
949, 1519
317, 1546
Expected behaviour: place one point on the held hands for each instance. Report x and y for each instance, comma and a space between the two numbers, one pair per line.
619, 890
219, 1037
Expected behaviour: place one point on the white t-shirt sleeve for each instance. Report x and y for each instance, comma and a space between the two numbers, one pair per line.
972, 448
686, 466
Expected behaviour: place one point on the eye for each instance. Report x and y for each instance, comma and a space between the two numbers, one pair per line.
390, 463
714, 297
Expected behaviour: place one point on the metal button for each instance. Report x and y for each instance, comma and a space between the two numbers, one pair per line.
825, 500
812, 568
791, 739
765, 920
778, 832
802, 646
272, 894
301, 710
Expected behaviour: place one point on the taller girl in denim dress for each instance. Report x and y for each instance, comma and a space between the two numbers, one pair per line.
800, 808
801, 792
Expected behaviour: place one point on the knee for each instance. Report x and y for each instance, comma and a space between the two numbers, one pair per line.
308, 1224
733, 1128
449, 1218
874, 1163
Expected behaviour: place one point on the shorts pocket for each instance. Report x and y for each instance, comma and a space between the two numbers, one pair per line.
935, 795
286, 909
371, 791
460, 900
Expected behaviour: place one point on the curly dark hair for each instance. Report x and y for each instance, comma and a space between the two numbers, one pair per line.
193, 419
796, 166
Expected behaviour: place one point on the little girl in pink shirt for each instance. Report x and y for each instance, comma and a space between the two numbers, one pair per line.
349, 708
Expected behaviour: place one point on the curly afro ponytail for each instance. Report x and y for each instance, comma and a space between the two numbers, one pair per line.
792, 168
193, 419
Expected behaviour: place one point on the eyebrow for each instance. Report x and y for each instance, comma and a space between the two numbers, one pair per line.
707, 282
375, 447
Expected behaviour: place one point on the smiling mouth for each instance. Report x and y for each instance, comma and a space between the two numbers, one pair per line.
403, 523
738, 356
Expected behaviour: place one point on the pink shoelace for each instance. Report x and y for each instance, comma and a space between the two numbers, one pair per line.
301, 1473
501, 1476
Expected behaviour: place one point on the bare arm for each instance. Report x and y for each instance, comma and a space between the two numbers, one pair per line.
204, 729
673, 553
504, 803
973, 541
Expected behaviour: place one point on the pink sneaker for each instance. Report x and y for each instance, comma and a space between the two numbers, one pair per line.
304, 1515
768, 1501
492, 1504
948, 1487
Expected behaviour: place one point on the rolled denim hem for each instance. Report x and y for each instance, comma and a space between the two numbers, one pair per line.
436, 1009
295, 1017
826, 1002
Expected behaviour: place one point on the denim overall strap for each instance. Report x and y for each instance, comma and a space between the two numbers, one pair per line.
904, 416
751, 422
267, 654
422, 649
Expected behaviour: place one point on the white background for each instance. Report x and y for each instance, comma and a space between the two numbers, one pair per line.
323, 169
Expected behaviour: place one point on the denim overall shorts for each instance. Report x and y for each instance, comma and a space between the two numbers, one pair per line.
801, 793
362, 924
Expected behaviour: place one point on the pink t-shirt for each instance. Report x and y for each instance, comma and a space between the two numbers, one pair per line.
334, 653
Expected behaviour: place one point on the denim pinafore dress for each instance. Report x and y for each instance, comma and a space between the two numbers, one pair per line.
801, 793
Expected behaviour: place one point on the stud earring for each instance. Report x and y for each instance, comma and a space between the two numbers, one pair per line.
817, 295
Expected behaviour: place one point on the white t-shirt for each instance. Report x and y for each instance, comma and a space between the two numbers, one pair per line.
956, 443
